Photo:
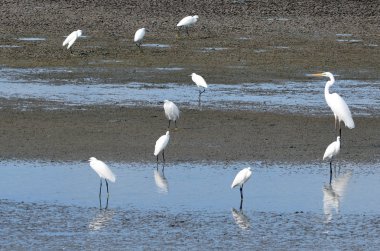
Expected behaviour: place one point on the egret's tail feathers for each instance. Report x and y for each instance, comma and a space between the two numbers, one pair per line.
112, 179
349, 123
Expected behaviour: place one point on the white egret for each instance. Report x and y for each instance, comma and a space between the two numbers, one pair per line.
331, 151
105, 173
337, 104
171, 112
161, 144
201, 83
69, 41
139, 36
242, 177
187, 22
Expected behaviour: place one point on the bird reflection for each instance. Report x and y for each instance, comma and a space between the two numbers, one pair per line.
241, 219
333, 194
161, 181
101, 219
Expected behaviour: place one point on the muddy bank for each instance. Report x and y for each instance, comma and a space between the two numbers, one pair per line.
128, 134
233, 42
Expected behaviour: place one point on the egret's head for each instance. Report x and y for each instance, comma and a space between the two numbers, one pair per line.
338, 138
165, 101
192, 74
323, 74
196, 17
92, 159
79, 32
167, 133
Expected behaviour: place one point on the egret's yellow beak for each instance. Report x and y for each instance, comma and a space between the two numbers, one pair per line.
317, 75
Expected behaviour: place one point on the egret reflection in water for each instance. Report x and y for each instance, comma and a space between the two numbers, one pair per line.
333, 194
101, 220
161, 181
241, 219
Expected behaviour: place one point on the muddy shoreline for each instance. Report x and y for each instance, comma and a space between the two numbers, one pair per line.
234, 42
129, 134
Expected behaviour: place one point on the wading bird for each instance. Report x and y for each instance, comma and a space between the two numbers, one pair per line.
105, 173
139, 36
337, 104
187, 22
201, 83
239, 180
171, 112
161, 144
331, 151
69, 41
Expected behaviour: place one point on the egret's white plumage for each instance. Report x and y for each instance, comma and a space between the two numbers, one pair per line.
102, 169
69, 41
198, 80
332, 150
171, 111
240, 180
242, 177
336, 102
139, 36
161, 144
188, 21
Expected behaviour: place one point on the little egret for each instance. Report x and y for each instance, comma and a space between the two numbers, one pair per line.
139, 36
239, 180
331, 151
161, 144
201, 83
337, 104
105, 173
69, 41
171, 112
187, 22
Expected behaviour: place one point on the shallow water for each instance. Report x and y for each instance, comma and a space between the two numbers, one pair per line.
55, 205
294, 97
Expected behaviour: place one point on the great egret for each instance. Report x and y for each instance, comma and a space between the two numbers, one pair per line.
161, 144
105, 173
201, 83
337, 104
331, 151
69, 41
240, 179
139, 36
171, 112
187, 22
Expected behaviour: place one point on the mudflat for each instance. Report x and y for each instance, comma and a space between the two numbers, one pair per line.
233, 42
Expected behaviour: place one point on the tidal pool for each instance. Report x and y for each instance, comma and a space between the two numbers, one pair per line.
189, 206
293, 97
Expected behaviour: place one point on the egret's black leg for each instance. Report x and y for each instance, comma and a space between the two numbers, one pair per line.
199, 98
163, 168
108, 194
169, 124
175, 124
163, 155
330, 172
157, 159
241, 197
100, 194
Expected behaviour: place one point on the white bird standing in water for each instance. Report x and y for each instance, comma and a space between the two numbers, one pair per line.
171, 112
104, 172
331, 151
139, 36
240, 178
201, 83
69, 41
187, 22
337, 104
161, 144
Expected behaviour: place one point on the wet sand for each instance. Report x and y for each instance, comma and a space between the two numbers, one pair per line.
129, 134
260, 41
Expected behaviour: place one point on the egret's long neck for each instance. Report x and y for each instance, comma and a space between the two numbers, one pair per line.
328, 84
